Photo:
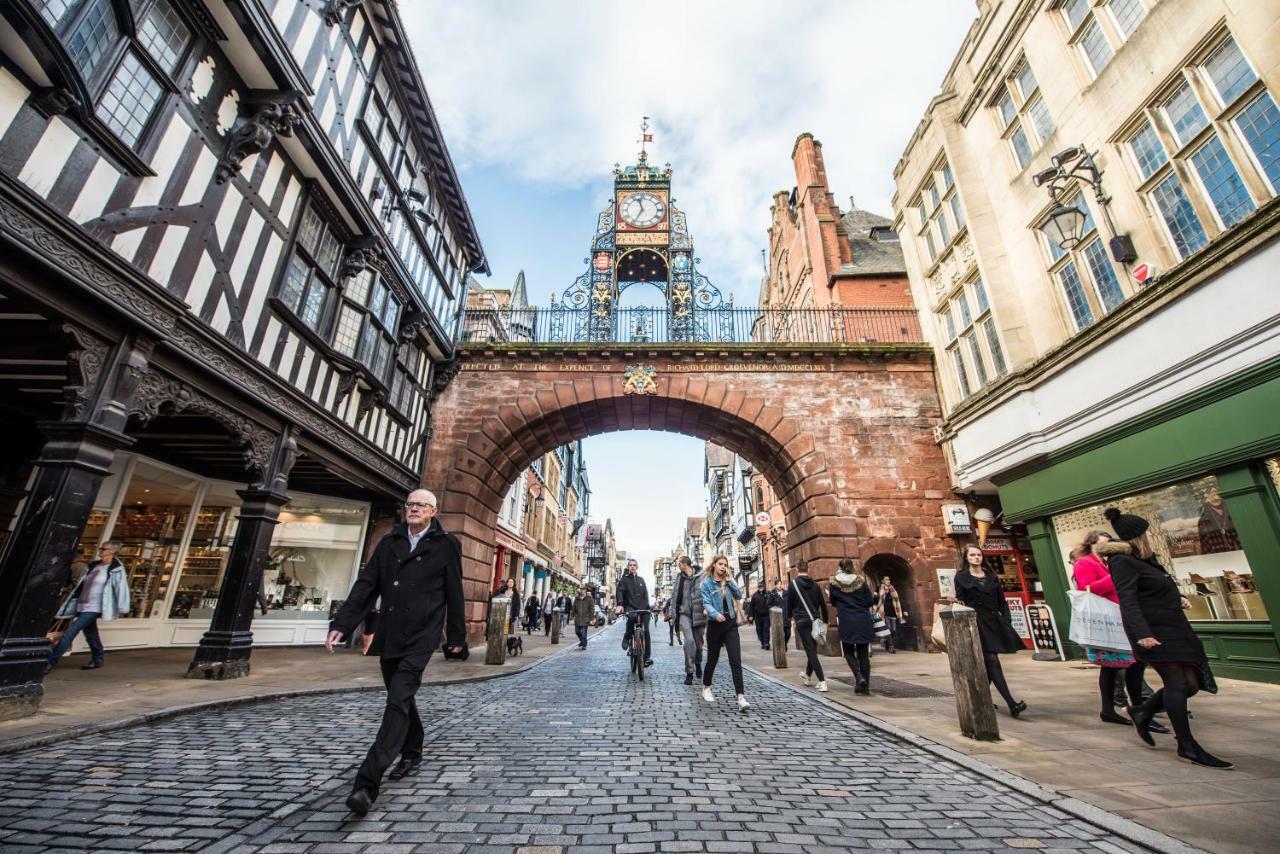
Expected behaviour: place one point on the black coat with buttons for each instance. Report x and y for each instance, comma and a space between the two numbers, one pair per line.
421, 592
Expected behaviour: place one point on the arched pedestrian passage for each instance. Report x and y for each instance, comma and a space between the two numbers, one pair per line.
842, 433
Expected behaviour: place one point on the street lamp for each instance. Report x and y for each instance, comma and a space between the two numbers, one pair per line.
1065, 224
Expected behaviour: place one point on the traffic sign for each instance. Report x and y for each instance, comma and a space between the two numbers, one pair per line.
762, 518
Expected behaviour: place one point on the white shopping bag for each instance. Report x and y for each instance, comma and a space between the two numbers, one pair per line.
1096, 622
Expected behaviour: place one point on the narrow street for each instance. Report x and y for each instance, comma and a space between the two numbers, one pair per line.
572, 755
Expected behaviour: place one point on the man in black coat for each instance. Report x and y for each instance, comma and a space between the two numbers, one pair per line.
760, 602
631, 595
417, 571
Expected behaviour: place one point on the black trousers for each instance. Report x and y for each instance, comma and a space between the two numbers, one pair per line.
401, 731
812, 666
858, 657
762, 629
723, 635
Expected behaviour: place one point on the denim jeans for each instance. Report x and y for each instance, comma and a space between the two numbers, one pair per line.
582, 636
86, 622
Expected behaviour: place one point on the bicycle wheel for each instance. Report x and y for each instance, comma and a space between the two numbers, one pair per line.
640, 664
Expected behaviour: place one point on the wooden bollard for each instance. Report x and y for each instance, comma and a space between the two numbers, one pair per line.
969, 674
495, 634
555, 625
777, 635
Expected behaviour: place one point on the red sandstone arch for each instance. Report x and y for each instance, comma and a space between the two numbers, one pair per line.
504, 410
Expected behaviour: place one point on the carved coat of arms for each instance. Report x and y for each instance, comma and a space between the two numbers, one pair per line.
641, 379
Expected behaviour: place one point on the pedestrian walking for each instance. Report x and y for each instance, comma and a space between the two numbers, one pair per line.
892, 611
803, 602
584, 611
759, 612
687, 612
672, 623
548, 613
417, 570
978, 587
719, 593
102, 593
1151, 608
778, 599
532, 613
1092, 575
853, 600
565, 604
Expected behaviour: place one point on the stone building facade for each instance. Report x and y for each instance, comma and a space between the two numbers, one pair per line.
1132, 363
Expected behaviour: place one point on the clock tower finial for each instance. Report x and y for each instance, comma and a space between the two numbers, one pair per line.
645, 137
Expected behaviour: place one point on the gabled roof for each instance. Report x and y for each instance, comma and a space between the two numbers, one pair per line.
871, 257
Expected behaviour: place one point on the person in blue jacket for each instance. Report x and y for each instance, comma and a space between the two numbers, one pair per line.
721, 599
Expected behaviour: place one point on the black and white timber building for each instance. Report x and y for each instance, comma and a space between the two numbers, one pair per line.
233, 256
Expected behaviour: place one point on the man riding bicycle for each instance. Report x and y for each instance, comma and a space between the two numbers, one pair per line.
632, 595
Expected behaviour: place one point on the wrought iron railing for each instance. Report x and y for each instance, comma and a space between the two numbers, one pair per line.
727, 325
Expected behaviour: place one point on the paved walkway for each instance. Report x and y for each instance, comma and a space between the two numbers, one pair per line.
151, 683
571, 756
1061, 744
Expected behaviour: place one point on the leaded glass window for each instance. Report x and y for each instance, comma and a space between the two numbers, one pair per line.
129, 99
1077, 302
1222, 182
1179, 216
1259, 124
1229, 71
1096, 47
93, 37
312, 271
1186, 116
1103, 274
1127, 15
1148, 152
164, 34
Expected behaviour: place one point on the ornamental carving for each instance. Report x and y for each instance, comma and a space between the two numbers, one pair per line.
85, 362
955, 266
257, 129
54, 101
151, 309
443, 376
640, 379
337, 10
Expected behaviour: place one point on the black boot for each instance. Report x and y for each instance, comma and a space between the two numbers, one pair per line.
697, 668
1110, 716
1018, 708
1141, 723
360, 801
1197, 754
688, 679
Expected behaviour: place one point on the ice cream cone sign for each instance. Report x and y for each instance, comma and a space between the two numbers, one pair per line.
984, 519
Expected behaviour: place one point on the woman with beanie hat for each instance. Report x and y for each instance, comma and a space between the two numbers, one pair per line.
978, 587
1152, 611
853, 599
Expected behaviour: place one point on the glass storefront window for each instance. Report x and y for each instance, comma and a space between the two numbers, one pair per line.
206, 558
151, 525
313, 557
1193, 538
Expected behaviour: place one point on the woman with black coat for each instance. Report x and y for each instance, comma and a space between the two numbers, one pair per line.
978, 588
1152, 611
532, 614
852, 597
803, 603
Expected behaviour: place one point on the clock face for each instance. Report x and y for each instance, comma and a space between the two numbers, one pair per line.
642, 210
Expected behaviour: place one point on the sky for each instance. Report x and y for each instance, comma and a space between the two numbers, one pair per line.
539, 100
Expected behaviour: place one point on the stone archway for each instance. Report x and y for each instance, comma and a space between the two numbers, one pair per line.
842, 433
916, 583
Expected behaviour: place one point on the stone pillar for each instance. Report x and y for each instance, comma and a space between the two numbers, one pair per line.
777, 635
224, 650
969, 674
496, 632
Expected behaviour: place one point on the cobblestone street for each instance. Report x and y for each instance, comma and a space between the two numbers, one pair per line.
570, 756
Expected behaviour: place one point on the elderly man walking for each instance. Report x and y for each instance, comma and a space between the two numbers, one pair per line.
417, 570
689, 617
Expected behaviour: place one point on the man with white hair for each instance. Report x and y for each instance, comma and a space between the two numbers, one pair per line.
417, 571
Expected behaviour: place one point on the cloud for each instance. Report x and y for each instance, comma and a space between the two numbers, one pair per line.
552, 93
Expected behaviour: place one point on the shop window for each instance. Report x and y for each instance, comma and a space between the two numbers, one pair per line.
313, 557
151, 525
1194, 539
205, 561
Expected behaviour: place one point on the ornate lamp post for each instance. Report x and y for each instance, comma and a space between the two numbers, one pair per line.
1065, 223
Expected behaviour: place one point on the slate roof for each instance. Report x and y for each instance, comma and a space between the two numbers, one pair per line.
871, 257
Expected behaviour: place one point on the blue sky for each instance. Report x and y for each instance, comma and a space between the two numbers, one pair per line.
539, 100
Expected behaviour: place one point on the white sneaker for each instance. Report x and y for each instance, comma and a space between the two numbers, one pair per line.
806, 680
822, 687
743, 705
706, 695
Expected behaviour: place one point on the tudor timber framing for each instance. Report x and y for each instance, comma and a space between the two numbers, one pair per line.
29, 228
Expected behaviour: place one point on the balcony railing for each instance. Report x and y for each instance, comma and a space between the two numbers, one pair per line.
727, 325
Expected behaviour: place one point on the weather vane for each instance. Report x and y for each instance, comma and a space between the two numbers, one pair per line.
645, 137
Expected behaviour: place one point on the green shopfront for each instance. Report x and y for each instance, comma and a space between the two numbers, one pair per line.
1205, 472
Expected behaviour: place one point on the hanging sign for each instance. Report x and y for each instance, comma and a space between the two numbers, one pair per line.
762, 519
1044, 633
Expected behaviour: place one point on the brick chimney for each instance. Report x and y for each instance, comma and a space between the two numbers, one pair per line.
820, 216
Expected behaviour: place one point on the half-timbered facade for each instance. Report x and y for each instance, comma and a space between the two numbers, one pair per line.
233, 256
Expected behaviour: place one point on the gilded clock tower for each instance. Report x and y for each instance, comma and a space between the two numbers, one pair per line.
641, 238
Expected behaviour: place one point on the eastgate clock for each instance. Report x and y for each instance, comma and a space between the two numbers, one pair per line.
642, 210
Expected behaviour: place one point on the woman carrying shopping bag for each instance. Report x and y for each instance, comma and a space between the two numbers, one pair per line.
1092, 576
803, 602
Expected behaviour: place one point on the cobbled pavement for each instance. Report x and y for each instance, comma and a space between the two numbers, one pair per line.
570, 757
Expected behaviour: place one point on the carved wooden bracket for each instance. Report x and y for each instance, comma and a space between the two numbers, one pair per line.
54, 101
337, 10
443, 376
264, 116
85, 362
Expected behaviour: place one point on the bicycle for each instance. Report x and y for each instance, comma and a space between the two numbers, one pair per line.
639, 641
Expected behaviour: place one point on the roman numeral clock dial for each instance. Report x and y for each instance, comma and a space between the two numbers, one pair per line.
642, 210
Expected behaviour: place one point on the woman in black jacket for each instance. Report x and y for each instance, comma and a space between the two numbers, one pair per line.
531, 614
853, 599
1152, 611
803, 602
978, 587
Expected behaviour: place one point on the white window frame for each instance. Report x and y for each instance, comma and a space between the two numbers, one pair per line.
1023, 103
971, 376
935, 220
1059, 259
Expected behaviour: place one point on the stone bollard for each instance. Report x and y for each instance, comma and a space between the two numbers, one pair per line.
555, 625
777, 633
969, 674
496, 632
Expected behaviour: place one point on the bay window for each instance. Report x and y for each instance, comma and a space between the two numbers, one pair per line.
366, 324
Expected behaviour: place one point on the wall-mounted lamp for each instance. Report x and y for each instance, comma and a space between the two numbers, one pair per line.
1065, 223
